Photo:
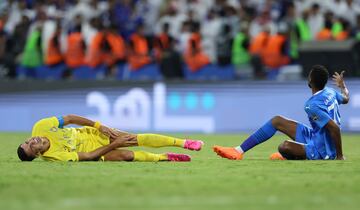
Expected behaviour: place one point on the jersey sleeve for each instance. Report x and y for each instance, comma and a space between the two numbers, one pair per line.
318, 115
46, 124
339, 97
62, 156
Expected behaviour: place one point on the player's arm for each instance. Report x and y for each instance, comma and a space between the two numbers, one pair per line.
96, 154
78, 120
339, 82
334, 131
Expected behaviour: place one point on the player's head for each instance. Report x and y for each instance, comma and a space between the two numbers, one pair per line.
318, 77
32, 148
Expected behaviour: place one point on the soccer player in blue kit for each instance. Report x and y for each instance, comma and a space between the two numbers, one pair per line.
320, 142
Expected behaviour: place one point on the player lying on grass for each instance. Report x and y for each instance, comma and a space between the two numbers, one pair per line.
92, 142
322, 141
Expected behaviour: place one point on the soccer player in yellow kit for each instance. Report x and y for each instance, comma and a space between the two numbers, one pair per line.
93, 142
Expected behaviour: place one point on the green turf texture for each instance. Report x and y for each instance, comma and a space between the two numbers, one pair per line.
208, 182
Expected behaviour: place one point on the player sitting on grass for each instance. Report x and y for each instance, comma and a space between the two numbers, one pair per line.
94, 141
322, 141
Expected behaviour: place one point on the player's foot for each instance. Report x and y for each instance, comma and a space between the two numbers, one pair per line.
178, 157
228, 152
276, 156
193, 144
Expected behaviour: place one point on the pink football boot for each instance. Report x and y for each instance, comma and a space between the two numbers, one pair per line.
193, 144
178, 157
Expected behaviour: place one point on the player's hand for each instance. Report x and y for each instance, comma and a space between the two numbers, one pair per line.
112, 133
338, 79
125, 141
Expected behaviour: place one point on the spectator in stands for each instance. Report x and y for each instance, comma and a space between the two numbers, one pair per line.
346, 31
148, 12
86, 9
302, 28
240, 48
256, 49
107, 48
315, 20
224, 45
54, 55
194, 55
184, 37
171, 63
300, 32
76, 50
276, 52
262, 21
325, 33
139, 49
32, 55
15, 45
352, 9
231, 19
306, 18
174, 19
210, 30
240, 54
121, 15
162, 42
17, 9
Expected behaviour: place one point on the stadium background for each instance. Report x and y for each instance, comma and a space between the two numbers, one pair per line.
213, 80
229, 90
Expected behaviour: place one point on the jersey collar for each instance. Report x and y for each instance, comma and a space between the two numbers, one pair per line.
318, 92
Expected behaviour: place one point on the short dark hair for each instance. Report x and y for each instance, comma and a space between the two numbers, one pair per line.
22, 154
319, 76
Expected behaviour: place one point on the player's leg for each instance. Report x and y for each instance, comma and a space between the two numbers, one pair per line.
119, 155
292, 150
277, 123
142, 156
285, 126
156, 140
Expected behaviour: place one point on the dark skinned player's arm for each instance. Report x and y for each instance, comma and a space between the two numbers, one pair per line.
334, 131
338, 79
77, 120
345, 93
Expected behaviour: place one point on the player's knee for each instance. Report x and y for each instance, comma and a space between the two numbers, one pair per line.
127, 156
277, 121
285, 148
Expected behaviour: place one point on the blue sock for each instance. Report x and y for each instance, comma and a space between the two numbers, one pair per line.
262, 134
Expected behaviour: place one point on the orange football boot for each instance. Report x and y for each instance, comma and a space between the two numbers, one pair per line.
276, 156
228, 152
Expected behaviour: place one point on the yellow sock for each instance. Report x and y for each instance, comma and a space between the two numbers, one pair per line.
142, 156
155, 140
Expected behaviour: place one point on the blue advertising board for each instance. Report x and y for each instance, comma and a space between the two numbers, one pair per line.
161, 107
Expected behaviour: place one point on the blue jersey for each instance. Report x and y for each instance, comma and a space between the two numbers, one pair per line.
322, 107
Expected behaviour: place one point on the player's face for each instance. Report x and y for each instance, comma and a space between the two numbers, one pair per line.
35, 145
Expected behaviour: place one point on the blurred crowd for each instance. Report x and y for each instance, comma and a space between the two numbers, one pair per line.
263, 34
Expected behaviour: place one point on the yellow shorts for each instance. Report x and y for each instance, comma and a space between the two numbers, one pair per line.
91, 139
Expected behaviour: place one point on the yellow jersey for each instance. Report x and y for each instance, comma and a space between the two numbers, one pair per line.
65, 143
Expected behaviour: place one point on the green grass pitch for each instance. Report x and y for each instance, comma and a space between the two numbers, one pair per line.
208, 182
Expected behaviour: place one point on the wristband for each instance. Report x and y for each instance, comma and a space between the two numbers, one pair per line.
97, 125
